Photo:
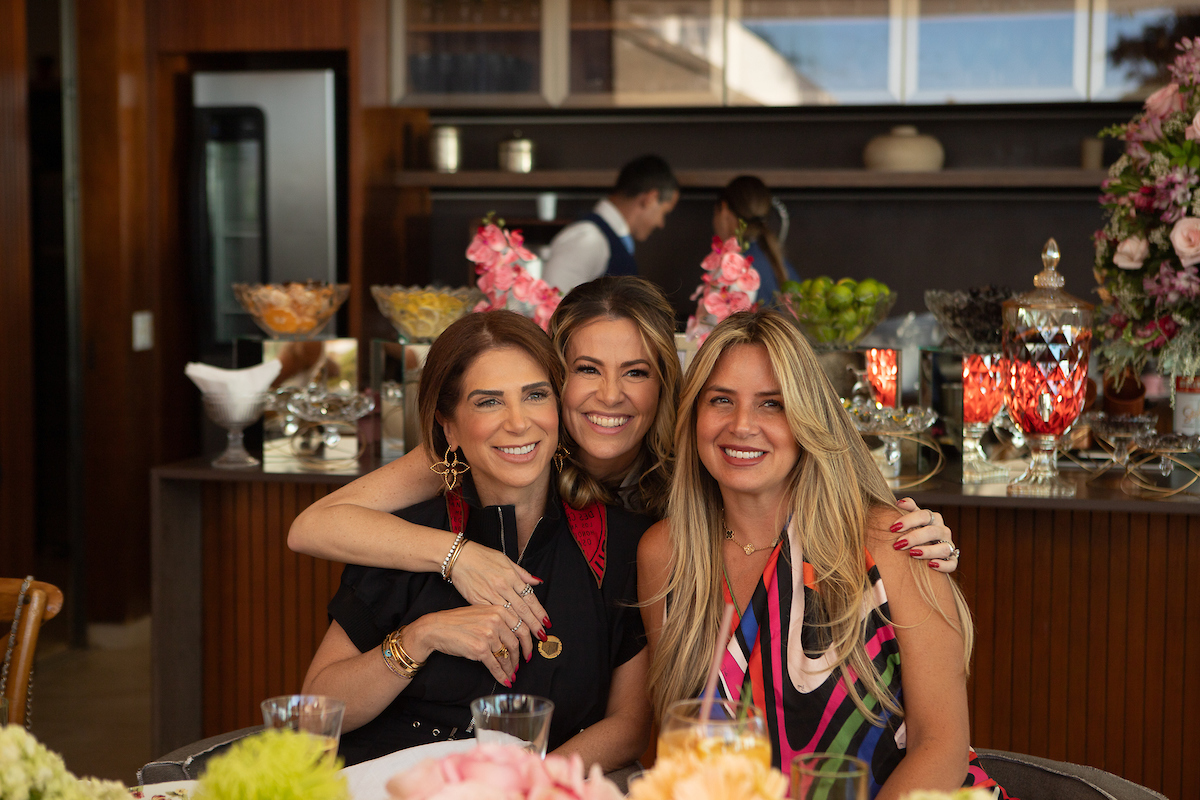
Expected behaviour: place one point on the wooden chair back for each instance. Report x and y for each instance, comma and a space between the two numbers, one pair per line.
42, 602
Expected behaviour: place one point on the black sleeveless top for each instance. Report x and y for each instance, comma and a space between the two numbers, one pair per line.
620, 260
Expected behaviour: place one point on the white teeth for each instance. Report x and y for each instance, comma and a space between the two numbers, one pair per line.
743, 453
607, 422
517, 451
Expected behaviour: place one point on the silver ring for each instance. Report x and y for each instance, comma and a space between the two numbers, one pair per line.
953, 554
927, 524
528, 590
519, 623
508, 603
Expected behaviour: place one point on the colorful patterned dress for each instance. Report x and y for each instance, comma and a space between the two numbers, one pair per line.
812, 712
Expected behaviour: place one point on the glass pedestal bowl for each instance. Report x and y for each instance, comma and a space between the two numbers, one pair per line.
292, 311
235, 413
421, 313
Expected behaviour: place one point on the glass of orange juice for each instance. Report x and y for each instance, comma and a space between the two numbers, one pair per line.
728, 729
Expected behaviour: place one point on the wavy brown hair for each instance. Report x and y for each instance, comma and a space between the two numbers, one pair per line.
750, 201
642, 303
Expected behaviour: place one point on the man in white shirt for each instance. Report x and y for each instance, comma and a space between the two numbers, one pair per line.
601, 243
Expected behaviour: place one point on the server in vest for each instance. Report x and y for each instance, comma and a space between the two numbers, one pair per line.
407, 653
601, 243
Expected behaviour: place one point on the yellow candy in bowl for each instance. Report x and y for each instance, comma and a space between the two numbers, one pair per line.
421, 313
292, 310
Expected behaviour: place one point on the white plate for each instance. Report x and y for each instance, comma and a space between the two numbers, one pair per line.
172, 790
368, 780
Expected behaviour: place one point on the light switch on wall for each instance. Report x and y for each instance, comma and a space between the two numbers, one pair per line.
143, 331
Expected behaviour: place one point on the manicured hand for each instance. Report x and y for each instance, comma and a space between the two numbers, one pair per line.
486, 577
480, 633
925, 536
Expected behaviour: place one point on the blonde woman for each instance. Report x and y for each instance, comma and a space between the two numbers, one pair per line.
616, 339
777, 506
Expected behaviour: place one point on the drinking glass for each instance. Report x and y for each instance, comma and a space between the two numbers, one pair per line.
517, 719
310, 713
828, 776
728, 729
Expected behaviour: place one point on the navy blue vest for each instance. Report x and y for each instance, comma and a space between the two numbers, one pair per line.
620, 260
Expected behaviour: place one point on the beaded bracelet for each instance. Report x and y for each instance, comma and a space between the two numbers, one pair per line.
454, 560
397, 658
454, 548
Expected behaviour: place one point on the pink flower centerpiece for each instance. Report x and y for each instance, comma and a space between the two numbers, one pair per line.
725, 288
500, 257
1148, 253
495, 772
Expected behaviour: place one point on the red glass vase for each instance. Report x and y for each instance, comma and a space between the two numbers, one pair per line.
983, 377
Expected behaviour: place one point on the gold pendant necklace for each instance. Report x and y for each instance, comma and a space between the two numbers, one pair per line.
748, 549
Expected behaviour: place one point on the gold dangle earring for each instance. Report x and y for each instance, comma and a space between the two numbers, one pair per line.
450, 470
560, 456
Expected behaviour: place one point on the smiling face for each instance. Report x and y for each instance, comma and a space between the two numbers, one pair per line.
506, 422
611, 395
742, 433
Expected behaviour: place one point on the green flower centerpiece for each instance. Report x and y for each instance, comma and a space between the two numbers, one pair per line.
1148, 251
277, 764
30, 771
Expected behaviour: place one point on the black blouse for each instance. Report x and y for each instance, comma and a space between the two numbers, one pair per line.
599, 627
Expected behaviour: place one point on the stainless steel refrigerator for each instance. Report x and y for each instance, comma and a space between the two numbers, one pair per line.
264, 189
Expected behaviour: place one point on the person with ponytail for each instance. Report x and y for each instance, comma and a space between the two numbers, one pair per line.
747, 200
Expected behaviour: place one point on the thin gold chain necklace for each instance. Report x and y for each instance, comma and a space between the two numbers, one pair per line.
748, 549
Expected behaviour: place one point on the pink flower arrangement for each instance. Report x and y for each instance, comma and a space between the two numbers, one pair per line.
725, 287
500, 257
501, 773
1148, 252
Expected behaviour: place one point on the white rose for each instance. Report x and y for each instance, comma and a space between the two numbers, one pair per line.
1131, 253
1185, 238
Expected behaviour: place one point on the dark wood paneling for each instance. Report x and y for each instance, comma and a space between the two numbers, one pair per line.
16, 323
264, 612
235, 25
1091, 609
120, 412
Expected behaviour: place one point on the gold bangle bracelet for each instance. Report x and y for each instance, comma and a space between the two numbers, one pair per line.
397, 658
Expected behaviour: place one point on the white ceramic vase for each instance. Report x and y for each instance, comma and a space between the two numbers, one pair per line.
904, 150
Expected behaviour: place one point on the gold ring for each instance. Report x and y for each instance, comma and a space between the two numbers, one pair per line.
501, 654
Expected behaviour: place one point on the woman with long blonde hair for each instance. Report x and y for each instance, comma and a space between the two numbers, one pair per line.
778, 507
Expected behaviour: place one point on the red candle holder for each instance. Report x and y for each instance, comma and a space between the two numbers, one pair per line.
983, 396
883, 374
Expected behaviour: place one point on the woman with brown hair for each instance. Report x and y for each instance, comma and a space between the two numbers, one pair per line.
408, 654
747, 200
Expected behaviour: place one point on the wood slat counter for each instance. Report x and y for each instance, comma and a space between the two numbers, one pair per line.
1086, 612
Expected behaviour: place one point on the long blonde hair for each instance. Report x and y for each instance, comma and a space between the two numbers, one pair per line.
835, 513
643, 304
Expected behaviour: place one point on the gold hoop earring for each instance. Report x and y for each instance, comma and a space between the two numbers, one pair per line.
450, 470
560, 456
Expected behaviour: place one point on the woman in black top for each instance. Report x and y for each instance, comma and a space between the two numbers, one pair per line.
488, 396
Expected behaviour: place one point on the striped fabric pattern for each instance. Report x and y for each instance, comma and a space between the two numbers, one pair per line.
812, 712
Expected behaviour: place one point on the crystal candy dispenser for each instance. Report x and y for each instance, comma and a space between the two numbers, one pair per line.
1046, 340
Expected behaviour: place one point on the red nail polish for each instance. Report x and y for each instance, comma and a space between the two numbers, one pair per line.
916, 553
934, 565
542, 635
900, 545
896, 526
528, 656
546, 622
512, 679
539, 580
507, 685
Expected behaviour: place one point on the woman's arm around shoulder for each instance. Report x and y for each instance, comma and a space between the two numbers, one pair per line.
356, 525
654, 571
934, 674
